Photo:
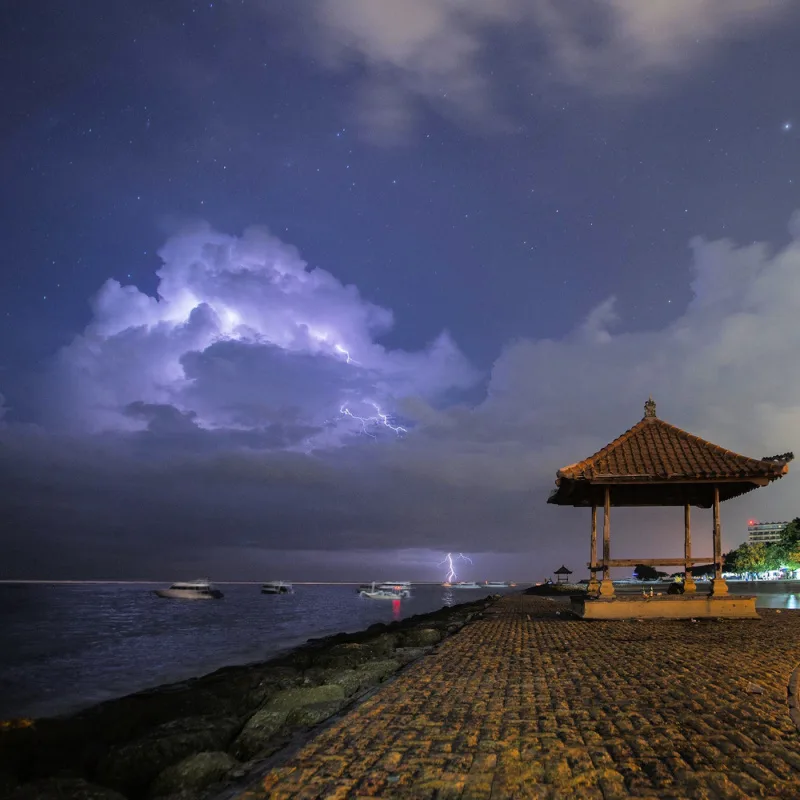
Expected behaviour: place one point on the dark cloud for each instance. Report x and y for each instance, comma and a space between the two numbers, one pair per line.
194, 434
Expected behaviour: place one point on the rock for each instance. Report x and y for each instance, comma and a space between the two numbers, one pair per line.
341, 656
63, 789
290, 699
420, 637
244, 689
378, 627
315, 712
257, 733
132, 767
195, 772
351, 654
351, 680
376, 671
405, 655
126, 718
383, 645
454, 627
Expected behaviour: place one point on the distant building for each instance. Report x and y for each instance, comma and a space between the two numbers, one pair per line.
764, 532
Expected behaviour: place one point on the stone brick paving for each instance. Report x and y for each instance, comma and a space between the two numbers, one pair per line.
527, 703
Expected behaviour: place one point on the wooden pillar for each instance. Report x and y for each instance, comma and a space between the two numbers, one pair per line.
593, 584
718, 585
606, 587
688, 581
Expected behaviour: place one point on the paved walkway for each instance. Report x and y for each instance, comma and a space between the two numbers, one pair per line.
526, 703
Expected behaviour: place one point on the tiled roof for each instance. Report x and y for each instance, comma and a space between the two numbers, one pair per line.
656, 450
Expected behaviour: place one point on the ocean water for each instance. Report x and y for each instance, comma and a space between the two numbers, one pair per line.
64, 647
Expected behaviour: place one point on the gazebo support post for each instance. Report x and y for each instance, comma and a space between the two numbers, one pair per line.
606, 586
593, 586
688, 580
718, 585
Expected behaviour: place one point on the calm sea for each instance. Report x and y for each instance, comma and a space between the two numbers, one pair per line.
65, 647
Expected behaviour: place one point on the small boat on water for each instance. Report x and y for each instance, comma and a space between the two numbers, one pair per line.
200, 589
403, 588
464, 585
277, 587
498, 584
383, 592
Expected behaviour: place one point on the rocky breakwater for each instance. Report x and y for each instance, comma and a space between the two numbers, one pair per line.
192, 739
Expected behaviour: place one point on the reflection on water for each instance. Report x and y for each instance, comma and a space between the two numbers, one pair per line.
778, 601
396, 609
447, 598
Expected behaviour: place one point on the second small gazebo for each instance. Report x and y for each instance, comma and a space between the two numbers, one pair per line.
562, 574
657, 464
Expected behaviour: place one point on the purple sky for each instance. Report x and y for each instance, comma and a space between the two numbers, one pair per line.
326, 288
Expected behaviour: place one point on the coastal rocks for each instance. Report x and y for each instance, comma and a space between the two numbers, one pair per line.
291, 699
405, 655
195, 772
132, 767
63, 789
351, 680
242, 689
284, 709
117, 721
349, 654
377, 671
314, 713
257, 733
420, 637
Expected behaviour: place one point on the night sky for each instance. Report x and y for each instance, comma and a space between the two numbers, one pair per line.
324, 289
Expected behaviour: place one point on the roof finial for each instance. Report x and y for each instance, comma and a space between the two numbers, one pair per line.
650, 408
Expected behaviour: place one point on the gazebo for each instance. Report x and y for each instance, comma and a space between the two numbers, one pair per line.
562, 574
657, 464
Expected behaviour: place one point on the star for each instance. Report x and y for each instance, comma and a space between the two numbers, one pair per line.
787, 126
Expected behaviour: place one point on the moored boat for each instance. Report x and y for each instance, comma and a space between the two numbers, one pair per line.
403, 588
400, 588
463, 585
200, 589
277, 587
382, 592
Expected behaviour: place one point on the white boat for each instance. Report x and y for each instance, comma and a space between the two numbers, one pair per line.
376, 592
402, 587
277, 587
464, 585
200, 589
498, 584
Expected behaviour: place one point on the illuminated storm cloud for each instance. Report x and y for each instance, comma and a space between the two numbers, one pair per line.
242, 334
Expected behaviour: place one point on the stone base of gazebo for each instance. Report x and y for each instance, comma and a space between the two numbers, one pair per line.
678, 606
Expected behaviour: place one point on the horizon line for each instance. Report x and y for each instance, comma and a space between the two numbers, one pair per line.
240, 583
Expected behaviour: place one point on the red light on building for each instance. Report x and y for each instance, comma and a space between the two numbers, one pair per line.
751, 522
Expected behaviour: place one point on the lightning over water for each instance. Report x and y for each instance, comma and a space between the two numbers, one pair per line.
448, 559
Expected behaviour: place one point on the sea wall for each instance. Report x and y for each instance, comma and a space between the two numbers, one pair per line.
191, 739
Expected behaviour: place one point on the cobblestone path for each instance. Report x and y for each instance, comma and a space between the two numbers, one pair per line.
526, 703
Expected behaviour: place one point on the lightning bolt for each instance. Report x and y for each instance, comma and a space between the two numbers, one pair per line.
378, 419
346, 353
448, 559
